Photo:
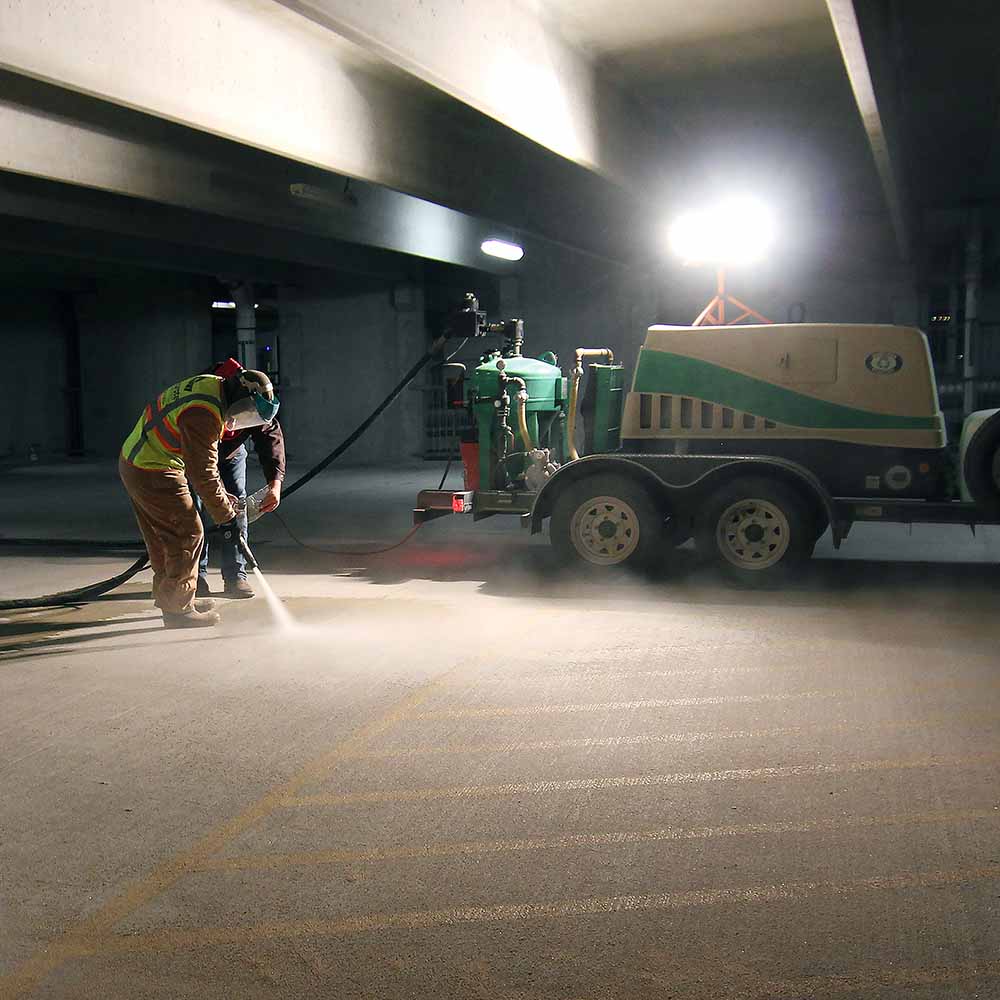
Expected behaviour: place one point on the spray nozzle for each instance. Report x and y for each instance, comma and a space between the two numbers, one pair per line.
230, 531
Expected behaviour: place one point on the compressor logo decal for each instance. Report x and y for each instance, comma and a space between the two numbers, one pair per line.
883, 362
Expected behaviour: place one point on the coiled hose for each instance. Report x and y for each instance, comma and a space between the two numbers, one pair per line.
94, 590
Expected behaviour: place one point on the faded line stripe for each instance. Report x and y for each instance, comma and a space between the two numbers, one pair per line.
201, 937
629, 781
503, 711
77, 939
258, 862
706, 736
590, 673
492, 712
866, 981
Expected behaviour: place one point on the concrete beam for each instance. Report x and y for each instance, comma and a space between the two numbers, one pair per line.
107, 154
845, 24
500, 57
262, 74
248, 70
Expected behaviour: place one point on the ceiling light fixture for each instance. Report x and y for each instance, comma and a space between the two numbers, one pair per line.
503, 249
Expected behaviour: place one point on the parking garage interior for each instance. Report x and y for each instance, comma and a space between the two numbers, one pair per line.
467, 768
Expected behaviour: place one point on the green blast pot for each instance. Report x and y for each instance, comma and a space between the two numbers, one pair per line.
545, 412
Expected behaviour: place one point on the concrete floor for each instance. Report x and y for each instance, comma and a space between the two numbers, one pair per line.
467, 774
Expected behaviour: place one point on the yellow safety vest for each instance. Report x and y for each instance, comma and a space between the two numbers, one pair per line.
155, 441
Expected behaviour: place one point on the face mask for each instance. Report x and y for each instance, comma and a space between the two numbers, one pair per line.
251, 411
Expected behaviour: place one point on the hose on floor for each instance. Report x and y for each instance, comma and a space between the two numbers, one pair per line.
101, 587
347, 552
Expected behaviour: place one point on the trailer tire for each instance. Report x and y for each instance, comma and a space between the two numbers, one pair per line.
607, 522
757, 530
981, 466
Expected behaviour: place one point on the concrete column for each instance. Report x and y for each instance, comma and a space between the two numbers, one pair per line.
246, 324
951, 365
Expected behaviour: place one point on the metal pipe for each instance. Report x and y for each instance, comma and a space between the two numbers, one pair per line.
522, 409
522, 404
522, 419
574, 391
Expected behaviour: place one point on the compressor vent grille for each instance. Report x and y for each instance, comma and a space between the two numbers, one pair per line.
665, 412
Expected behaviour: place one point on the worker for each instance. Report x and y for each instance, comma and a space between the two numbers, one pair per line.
269, 444
176, 442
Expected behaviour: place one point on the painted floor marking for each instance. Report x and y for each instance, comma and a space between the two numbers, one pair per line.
78, 940
644, 739
259, 862
501, 711
556, 677
628, 781
202, 937
592, 669
505, 711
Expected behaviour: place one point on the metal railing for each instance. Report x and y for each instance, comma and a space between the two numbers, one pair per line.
986, 364
442, 426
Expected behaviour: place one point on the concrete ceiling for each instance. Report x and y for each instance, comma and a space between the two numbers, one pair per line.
653, 40
756, 98
588, 122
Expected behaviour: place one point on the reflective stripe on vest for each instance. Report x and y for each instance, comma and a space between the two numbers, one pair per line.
155, 441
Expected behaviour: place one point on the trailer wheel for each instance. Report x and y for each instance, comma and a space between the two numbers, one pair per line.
757, 530
981, 467
606, 521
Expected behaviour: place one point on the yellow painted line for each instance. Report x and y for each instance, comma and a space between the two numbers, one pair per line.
629, 781
866, 982
592, 674
624, 838
505, 711
501, 711
653, 739
78, 940
210, 937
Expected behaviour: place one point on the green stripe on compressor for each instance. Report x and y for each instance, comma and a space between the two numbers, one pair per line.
677, 375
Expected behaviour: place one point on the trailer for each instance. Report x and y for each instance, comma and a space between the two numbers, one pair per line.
752, 440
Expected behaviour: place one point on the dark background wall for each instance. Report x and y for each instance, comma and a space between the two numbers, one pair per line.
346, 340
33, 374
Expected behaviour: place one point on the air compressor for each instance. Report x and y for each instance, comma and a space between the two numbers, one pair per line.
752, 440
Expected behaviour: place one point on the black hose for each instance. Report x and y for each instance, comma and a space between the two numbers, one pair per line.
103, 586
79, 595
365, 424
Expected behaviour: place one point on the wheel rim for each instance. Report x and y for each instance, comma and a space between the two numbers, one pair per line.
605, 531
753, 534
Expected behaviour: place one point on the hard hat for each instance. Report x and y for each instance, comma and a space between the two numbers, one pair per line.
226, 368
251, 401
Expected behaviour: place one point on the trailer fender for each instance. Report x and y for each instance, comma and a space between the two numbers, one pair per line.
680, 481
792, 474
593, 465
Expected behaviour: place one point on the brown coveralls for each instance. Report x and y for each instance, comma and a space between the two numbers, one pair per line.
166, 513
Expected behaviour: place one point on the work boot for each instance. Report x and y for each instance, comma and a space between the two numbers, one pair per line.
203, 589
204, 604
238, 590
190, 619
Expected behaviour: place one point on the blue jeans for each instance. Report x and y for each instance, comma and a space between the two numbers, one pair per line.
233, 472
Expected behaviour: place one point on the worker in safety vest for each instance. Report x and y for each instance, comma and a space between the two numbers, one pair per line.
174, 442
269, 443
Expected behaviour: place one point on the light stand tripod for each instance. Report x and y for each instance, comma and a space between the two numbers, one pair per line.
714, 314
